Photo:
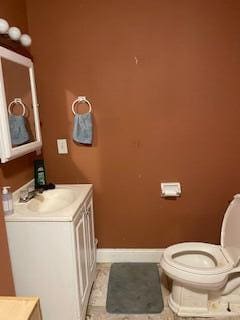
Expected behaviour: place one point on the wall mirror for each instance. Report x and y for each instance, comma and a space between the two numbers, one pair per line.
19, 117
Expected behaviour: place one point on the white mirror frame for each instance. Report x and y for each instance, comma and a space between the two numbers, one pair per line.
7, 152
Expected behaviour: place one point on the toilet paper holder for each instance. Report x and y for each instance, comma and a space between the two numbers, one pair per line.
170, 189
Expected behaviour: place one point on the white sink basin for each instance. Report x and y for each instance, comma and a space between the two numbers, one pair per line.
60, 204
52, 200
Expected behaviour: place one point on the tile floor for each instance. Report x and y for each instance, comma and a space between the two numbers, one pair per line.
96, 307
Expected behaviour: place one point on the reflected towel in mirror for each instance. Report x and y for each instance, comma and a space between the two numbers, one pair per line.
82, 128
18, 131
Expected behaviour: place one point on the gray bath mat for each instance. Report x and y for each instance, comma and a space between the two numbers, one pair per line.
134, 288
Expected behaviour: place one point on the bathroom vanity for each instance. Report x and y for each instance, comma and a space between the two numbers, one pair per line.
53, 251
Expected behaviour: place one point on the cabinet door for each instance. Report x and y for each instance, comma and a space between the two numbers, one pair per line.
82, 245
90, 233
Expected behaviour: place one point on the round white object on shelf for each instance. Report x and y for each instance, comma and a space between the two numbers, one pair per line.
14, 33
4, 26
25, 40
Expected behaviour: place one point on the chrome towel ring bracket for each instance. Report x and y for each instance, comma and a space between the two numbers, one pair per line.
81, 99
17, 101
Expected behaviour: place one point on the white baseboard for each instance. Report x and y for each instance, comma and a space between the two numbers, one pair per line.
129, 255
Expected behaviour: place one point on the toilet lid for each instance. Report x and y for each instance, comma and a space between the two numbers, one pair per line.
230, 233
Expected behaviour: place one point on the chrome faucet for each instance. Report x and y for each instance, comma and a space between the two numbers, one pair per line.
26, 195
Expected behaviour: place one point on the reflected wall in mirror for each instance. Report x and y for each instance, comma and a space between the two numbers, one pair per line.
18, 102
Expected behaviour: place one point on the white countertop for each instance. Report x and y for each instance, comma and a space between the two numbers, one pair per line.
22, 213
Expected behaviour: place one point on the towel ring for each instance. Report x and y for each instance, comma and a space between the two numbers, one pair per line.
17, 101
81, 99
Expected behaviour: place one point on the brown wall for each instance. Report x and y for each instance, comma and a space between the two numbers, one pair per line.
14, 11
163, 78
17, 172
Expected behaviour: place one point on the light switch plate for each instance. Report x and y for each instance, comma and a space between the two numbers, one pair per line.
62, 146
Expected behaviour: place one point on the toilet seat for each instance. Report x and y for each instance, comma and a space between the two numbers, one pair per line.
207, 278
213, 252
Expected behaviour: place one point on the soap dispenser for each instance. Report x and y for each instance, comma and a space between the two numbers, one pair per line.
7, 200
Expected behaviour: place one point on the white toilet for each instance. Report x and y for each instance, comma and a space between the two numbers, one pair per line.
206, 277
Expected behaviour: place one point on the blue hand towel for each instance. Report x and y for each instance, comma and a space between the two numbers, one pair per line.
18, 131
82, 128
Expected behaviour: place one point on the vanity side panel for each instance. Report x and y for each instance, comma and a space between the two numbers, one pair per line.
43, 265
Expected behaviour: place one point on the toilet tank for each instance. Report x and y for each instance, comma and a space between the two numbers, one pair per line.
230, 233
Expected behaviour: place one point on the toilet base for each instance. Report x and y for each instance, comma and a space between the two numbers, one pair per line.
189, 302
